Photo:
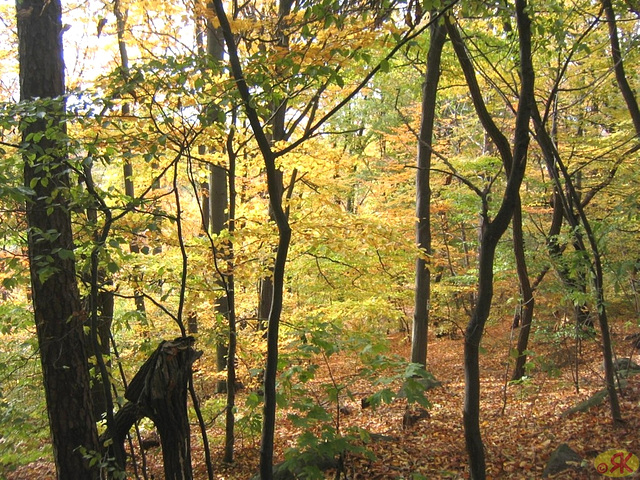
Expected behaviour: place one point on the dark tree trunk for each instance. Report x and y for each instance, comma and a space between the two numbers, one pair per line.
527, 302
278, 133
159, 391
618, 64
556, 167
526, 317
105, 305
284, 239
56, 300
229, 441
492, 230
423, 196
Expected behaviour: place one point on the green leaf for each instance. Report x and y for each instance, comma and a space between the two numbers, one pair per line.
112, 267
65, 254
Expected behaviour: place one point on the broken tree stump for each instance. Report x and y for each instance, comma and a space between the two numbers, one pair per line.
159, 392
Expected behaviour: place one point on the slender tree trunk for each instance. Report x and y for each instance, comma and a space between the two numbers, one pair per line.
618, 64
284, 239
104, 302
229, 436
423, 196
129, 187
556, 167
492, 230
56, 301
525, 327
527, 301
278, 133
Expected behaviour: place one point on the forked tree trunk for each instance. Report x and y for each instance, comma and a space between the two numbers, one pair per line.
492, 230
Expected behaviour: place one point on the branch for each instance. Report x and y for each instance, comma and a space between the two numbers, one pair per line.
365, 81
621, 78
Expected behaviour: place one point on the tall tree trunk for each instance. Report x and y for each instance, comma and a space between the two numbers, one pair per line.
284, 240
229, 440
129, 187
557, 168
278, 133
218, 210
221, 212
218, 217
423, 196
104, 305
56, 300
618, 65
492, 230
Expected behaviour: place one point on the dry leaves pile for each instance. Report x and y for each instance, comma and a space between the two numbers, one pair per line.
520, 430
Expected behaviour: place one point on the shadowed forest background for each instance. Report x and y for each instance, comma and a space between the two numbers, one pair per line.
299, 239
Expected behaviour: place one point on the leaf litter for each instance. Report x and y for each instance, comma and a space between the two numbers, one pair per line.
520, 428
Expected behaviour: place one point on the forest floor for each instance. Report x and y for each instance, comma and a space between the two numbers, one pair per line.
520, 429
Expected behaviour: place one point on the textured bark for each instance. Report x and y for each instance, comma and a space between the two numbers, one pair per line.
423, 196
56, 300
159, 391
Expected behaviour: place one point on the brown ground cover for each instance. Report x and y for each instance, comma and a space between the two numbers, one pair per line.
520, 428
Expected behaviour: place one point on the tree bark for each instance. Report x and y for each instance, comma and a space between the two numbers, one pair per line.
284, 240
618, 65
556, 167
56, 301
159, 391
278, 133
423, 196
492, 230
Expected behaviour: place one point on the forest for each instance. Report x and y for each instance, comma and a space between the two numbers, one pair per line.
330, 239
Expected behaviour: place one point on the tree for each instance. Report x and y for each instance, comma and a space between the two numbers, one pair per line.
576, 220
56, 301
127, 168
221, 208
284, 230
276, 196
618, 64
492, 229
423, 196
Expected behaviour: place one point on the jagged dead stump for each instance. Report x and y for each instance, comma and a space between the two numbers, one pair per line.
159, 391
